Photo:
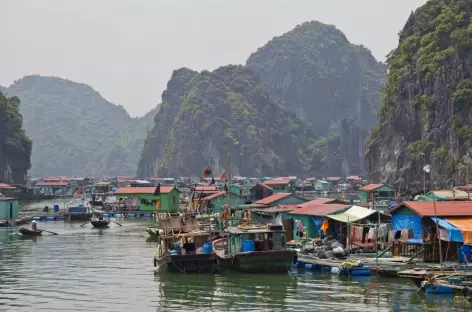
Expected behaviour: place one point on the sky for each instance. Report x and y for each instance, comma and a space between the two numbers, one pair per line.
127, 49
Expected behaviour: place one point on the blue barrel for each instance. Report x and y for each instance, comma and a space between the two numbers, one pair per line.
249, 246
207, 249
465, 254
56, 208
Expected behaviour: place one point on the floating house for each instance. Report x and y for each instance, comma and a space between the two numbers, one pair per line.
445, 195
8, 208
158, 199
53, 187
281, 186
6, 188
322, 186
376, 196
260, 191
217, 202
415, 235
281, 199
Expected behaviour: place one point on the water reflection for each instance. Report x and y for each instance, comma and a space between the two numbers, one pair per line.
86, 269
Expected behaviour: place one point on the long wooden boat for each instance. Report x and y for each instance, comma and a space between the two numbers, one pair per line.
186, 252
100, 223
30, 232
254, 250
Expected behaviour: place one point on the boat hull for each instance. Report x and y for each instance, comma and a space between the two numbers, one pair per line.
259, 261
193, 263
30, 232
100, 223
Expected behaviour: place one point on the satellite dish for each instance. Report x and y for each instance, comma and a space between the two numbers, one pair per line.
427, 168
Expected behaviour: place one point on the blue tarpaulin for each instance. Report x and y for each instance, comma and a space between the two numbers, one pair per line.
318, 221
454, 233
404, 221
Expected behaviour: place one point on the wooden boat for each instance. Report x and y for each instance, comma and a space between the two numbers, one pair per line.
186, 252
153, 232
255, 249
96, 223
30, 232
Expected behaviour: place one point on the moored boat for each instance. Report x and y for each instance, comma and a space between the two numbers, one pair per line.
255, 249
186, 252
30, 232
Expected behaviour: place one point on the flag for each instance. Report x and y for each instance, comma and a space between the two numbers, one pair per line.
207, 171
157, 191
223, 177
77, 191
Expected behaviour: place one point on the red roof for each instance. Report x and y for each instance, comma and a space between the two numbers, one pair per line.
59, 183
263, 185
279, 208
443, 208
273, 198
370, 187
319, 209
144, 190
213, 196
333, 178
318, 201
6, 186
200, 188
276, 182
466, 188
355, 178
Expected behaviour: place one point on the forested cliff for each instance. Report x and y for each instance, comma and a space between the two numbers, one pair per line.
302, 104
15, 146
426, 116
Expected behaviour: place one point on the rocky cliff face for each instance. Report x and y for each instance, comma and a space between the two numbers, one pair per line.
317, 73
426, 116
15, 146
204, 116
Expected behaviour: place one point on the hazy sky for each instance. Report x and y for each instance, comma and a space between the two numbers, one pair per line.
127, 49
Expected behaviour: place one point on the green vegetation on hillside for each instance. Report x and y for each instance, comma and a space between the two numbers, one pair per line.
206, 115
15, 146
76, 131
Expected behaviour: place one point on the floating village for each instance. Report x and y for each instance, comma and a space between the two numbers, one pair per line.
342, 225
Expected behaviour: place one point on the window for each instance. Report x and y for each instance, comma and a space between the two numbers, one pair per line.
173, 200
384, 194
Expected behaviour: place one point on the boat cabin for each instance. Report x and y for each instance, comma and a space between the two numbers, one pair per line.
183, 244
265, 238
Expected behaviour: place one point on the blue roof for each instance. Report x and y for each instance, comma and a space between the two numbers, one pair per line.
454, 233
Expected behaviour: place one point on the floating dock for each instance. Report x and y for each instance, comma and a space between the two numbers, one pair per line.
15, 221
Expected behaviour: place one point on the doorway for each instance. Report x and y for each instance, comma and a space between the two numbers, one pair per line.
11, 210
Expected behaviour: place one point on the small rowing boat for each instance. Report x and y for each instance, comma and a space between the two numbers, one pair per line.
100, 223
30, 232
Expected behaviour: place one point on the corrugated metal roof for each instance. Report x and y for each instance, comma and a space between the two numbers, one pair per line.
272, 198
143, 190
333, 178
6, 186
200, 188
213, 196
61, 183
7, 198
320, 201
319, 209
276, 182
371, 187
353, 214
443, 208
451, 194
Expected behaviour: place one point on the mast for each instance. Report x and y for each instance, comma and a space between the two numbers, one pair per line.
229, 179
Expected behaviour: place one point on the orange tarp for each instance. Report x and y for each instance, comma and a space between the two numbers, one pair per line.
465, 225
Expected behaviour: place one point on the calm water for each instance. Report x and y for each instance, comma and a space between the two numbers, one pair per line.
84, 269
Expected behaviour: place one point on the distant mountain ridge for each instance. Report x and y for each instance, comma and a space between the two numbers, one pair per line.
75, 130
